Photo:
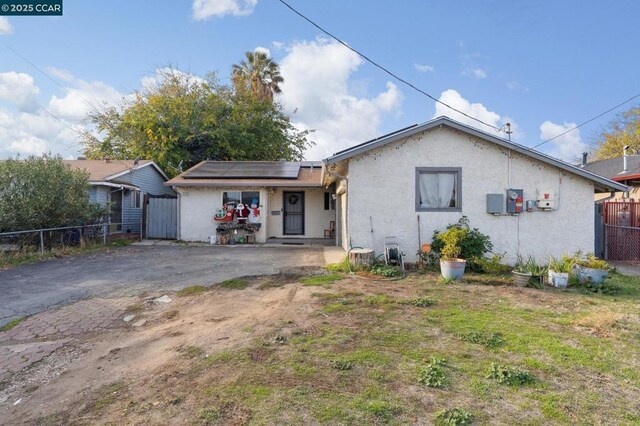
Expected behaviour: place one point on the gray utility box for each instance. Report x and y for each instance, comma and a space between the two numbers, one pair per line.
495, 203
515, 200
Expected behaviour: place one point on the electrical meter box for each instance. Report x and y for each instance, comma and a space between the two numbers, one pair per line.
495, 204
515, 200
546, 199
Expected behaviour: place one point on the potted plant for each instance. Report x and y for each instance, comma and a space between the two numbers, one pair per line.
451, 266
522, 271
590, 268
559, 270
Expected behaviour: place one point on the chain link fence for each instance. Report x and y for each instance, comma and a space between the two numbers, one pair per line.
32, 242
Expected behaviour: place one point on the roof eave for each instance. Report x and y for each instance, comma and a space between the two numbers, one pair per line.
440, 121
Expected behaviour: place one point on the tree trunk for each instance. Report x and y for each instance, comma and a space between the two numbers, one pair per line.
361, 258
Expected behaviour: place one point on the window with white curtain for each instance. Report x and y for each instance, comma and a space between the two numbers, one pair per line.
438, 188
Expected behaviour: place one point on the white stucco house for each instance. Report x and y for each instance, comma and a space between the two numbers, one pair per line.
407, 185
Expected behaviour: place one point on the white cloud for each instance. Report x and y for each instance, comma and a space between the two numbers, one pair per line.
477, 110
150, 82
477, 73
516, 86
264, 50
20, 89
277, 45
205, 9
5, 26
567, 147
316, 90
82, 97
423, 68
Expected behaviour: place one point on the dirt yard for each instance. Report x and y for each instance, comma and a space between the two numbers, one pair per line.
331, 349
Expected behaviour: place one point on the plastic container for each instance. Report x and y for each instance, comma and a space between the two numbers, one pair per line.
559, 279
452, 269
596, 276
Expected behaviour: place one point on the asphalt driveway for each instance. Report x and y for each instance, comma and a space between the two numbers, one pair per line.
128, 271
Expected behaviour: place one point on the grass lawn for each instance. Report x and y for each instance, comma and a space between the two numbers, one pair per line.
403, 352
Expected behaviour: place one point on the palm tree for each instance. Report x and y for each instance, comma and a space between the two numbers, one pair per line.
258, 74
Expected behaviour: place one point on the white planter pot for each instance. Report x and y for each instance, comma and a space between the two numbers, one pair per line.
452, 269
559, 279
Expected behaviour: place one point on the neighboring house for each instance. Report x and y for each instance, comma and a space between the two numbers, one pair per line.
408, 184
624, 169
289, 197
123, 184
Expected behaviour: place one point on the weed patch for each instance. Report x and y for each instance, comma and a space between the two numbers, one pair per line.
510, 376
235, 284
109, 394
192, 290
321, 280
490, 340
454, 417
8, 326
433, 374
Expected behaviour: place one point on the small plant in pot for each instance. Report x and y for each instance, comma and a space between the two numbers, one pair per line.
451, 266
559, 270
522, 271
591, 269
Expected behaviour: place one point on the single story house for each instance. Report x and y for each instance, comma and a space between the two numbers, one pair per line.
123, 183
285, 199
407, 185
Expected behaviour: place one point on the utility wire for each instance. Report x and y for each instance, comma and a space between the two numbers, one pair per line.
392, 74
588, 121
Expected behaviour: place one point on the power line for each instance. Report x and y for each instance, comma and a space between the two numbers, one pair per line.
588, 121
392, 74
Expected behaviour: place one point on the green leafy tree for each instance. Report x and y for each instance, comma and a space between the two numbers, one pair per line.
624, 130
184, 120
258, 75
43, 192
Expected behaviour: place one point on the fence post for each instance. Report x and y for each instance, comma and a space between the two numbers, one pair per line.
104, 234
41, 242
606, 242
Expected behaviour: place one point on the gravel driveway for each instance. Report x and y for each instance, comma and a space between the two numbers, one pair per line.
127, 271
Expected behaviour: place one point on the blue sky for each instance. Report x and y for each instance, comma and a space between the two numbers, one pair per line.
542, 66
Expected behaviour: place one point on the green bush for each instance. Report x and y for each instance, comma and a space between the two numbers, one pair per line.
342, 266
510, 376
454, 417
493, 264
383, 270
490, 340
473, 244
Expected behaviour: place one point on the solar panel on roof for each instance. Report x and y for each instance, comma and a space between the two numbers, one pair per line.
244, 170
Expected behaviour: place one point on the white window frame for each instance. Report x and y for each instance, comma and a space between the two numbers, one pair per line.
136, 199
458, 188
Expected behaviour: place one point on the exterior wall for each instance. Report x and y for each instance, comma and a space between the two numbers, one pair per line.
197, 206
99, 194
316, 218
148, 180
381, 192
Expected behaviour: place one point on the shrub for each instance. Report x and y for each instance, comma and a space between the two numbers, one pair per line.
493, 264
511, 376
473, 245
342, 266
383, 270
562, 265
591, 261
454, 417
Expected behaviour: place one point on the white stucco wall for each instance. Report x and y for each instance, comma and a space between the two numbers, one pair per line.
316, 218
197, 207
381, 192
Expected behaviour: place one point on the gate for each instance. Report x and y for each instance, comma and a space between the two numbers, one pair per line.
621, 220
161, 217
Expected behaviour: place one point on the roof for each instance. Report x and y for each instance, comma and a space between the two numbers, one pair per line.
600, 181
105, 170
612, 168
308, 174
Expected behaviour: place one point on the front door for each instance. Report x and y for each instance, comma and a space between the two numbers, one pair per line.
115, 197
293, 217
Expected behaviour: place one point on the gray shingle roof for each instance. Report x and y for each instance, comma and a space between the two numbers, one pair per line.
612, 168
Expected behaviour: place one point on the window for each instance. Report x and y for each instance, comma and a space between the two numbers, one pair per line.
438, 189
329, 201
245, 197
136, 199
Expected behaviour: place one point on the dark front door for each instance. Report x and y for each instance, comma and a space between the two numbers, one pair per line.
293, 217
116, 208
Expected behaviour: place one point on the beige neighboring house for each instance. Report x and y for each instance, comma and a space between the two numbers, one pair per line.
406, 185
123, 184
